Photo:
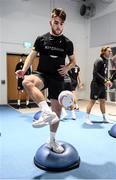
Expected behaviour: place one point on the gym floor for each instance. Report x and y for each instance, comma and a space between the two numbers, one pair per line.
19, 142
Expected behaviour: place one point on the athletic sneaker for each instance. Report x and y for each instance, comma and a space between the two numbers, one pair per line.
63, 114
56, 147
106, 120
88, 121
46, 118
73, 114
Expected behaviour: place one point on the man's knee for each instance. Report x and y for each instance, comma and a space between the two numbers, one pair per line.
30, 82
26, 83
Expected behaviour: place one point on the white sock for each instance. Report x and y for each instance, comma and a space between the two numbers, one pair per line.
19, 102
104, 115
44, 106
63, 113
27, 102
87, 115
52, 135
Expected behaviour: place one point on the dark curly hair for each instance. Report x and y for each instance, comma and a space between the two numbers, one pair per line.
58, 12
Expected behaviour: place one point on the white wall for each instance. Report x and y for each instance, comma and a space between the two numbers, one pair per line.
23, 20
104, 8
94, 52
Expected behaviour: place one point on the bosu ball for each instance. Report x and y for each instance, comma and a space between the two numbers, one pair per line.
48, 160
112, 131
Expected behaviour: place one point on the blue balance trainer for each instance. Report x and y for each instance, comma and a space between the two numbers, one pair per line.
112, 131
49, 160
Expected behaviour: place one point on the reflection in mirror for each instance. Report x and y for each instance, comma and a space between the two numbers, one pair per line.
112, 75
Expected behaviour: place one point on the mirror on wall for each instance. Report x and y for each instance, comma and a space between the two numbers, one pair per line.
112, 73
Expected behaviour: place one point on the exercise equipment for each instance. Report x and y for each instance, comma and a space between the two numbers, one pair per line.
48, 160
36, 115
66, 98
112, 131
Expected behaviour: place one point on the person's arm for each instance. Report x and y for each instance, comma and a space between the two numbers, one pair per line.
72, 62
80, 83
29, 60
65, 68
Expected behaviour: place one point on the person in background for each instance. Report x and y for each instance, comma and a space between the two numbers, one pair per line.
53, 48
99, 84
72, 81
76, 81
113, 62
20, 87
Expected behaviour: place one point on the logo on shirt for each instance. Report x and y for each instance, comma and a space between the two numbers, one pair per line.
54, 48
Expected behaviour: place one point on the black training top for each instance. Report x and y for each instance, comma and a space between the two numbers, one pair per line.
100, 71
52, 52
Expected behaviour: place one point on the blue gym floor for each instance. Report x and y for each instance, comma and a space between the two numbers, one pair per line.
19, 142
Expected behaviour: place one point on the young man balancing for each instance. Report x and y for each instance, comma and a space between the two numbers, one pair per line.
52, 47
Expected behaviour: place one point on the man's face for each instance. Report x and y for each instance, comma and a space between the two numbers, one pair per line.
108, 53
57, 26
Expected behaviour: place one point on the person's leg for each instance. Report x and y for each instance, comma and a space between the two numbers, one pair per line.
103, 111
33, 86
27, 101
75, 99
20, 91
102, 101
93, 98
56, 107
102, 106
90, 105
88, 110
54, 89
19, 98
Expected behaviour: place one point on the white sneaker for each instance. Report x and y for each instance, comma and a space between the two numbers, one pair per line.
63, 113
106, 120
46, 118
73, 114
56, 147
88, 122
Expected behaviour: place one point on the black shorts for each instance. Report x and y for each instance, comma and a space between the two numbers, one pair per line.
70, 84
54, 84
98, 91
19, 84
74, 85
67, 83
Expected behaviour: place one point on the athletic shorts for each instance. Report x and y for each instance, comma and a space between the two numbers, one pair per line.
70, 84
54, 84
19, 84
74, 85
67, 83
98, 91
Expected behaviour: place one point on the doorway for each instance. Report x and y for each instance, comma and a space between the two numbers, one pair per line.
12, 92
